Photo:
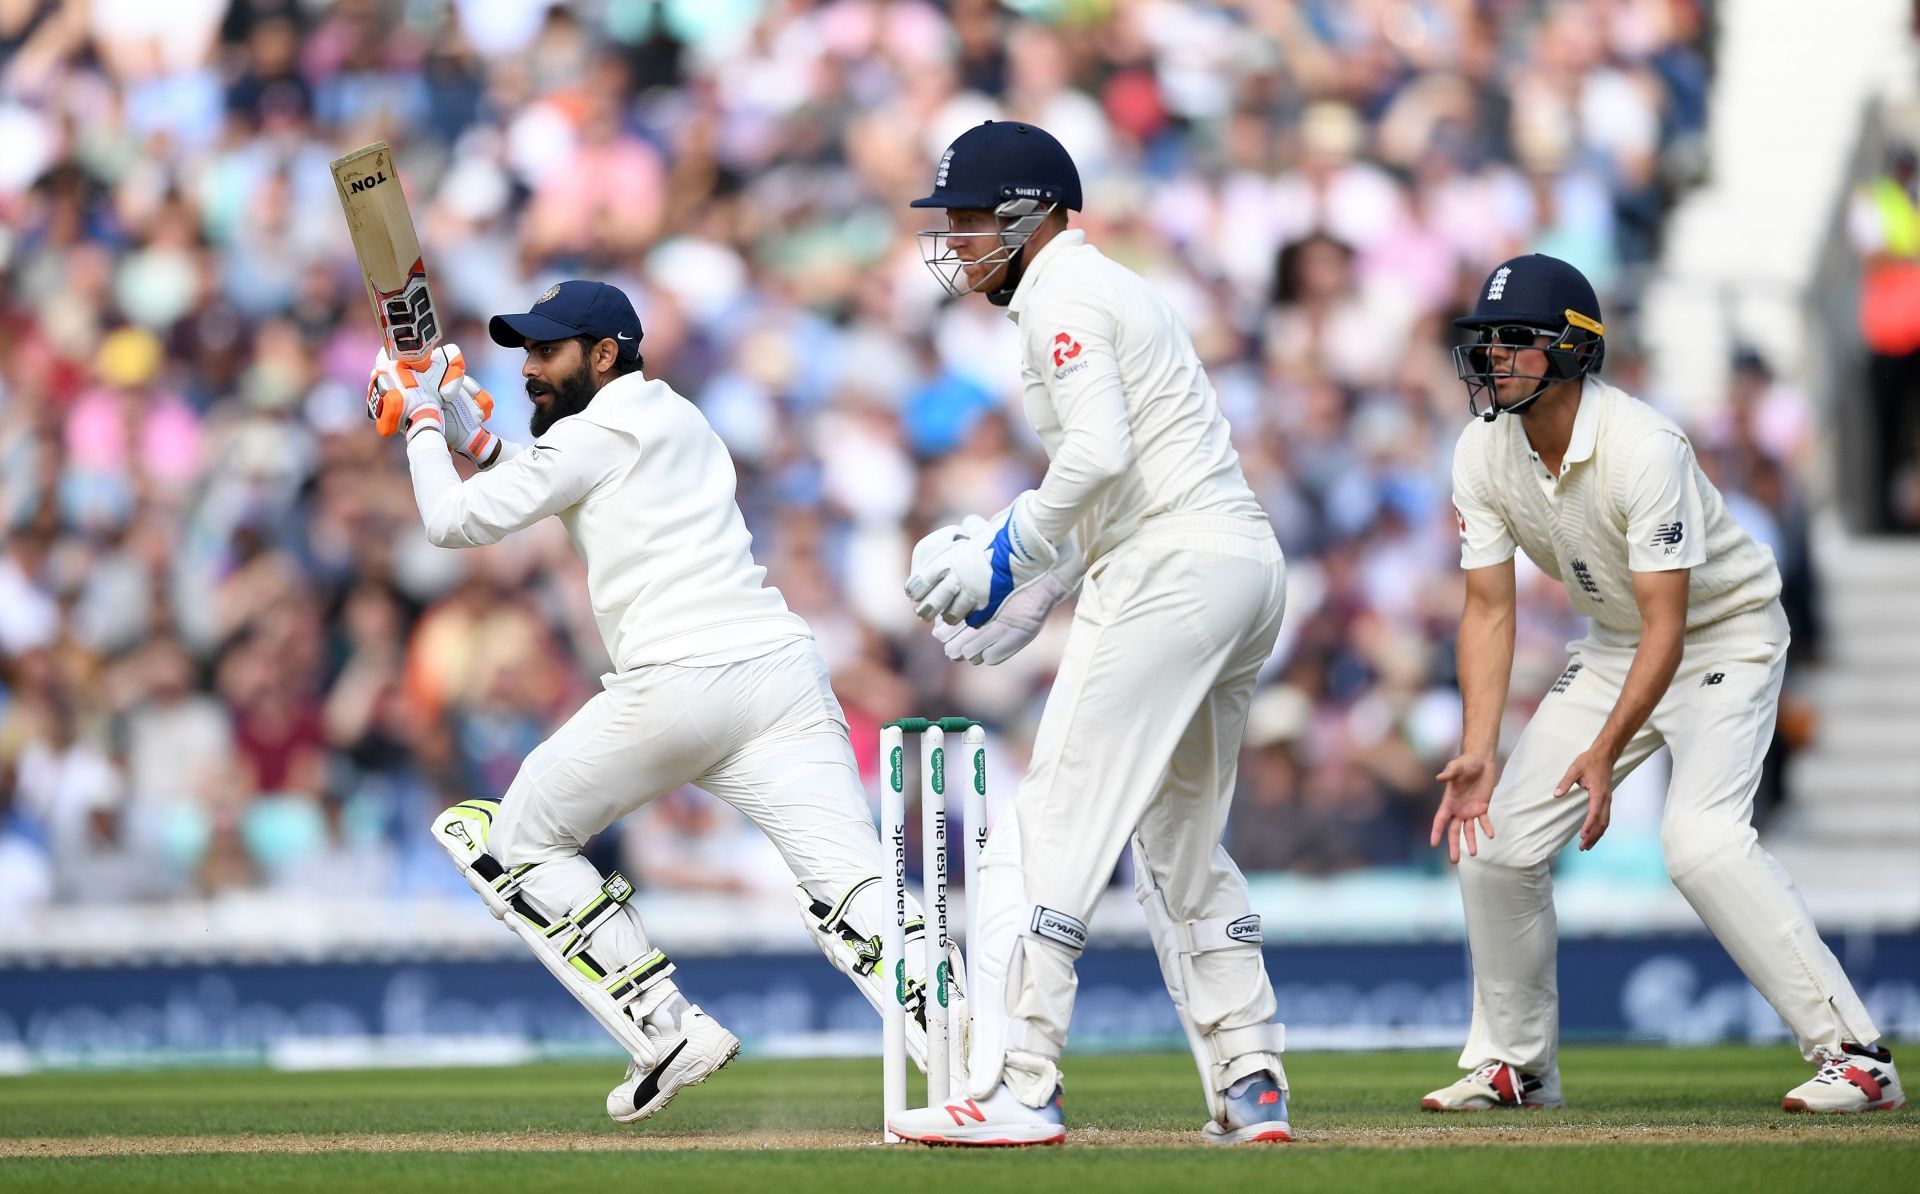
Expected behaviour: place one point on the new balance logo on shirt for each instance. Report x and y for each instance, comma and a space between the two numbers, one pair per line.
1667, 534
1712, 678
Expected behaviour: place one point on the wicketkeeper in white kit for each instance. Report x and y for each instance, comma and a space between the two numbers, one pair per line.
715, 682
1143, 510
1686, 647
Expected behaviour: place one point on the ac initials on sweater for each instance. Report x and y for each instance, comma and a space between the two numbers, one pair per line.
1630, 498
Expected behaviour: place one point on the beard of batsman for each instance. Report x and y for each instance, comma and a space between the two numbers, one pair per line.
570, 397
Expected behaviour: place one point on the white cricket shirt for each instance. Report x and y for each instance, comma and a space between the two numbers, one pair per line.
1119, 400
646, 491
1630, 498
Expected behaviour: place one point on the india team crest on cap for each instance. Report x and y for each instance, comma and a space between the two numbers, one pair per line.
547, 294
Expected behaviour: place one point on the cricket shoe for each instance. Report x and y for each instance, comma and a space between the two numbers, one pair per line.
1854, 1079
999, 1121
697, 1055
1497, 1086
1255, 1113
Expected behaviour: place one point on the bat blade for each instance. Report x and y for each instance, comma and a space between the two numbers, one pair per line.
390, 261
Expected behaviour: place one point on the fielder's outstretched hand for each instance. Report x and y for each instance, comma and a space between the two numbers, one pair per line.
1593, 771
1469, 790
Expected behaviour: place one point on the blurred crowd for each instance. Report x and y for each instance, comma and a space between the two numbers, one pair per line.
228, 658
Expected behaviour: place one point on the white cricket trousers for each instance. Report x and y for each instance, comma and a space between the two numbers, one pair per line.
1717, 717
766, 735
1140, 739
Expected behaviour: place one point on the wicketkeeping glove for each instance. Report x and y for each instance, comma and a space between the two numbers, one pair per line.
930, 556
971, 576
1018, 623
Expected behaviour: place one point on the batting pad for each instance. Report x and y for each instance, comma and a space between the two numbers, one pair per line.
848, 932
618, 995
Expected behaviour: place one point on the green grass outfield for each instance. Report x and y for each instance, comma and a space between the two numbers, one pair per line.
1642, 1119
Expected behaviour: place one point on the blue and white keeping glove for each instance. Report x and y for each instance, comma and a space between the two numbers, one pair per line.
1018, 622
930, 555
980, 565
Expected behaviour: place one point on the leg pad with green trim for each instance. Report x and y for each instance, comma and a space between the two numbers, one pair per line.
620, 994
848, 931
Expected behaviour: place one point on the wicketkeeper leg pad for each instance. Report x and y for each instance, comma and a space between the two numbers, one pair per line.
595, 949
1218, 983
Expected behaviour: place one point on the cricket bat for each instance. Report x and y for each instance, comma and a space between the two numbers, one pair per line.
390, 261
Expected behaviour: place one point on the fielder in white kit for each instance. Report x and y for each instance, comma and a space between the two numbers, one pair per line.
1145, 511
1687, 645
715, 682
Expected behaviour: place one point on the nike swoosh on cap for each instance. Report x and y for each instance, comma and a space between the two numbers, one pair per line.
618, 336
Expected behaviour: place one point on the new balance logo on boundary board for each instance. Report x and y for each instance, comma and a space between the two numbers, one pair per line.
946, 1043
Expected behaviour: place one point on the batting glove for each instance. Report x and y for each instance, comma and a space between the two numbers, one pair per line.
467, 407
397, 395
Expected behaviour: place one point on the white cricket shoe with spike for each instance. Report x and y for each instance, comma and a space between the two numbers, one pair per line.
1497, 1086
702, 1048
1855, 1079
1000, 1120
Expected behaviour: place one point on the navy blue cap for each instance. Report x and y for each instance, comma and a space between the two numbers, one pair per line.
576, 308
1539, 291
1000, 160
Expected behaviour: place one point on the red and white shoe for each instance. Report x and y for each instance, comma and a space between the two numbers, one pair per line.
1497, 1086
999, 1121
1855, 1079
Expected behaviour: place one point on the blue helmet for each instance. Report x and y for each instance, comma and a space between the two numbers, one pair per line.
1524, 299
1017, 171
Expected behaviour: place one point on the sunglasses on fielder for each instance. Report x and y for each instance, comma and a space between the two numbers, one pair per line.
1570, 351
1515, 335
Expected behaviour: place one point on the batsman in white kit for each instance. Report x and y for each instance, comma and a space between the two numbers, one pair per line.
715, 682
1145, 512
1686, 647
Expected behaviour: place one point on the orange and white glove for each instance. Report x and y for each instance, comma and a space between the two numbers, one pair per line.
468, 407
402, 393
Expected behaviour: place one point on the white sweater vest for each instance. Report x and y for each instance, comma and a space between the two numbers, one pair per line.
1580, 537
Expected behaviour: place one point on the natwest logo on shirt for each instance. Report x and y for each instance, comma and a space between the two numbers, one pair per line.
1065, 348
